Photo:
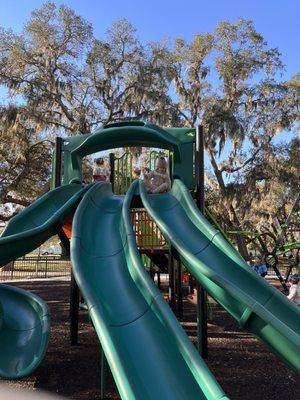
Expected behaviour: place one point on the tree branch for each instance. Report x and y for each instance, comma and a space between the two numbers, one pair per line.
14, 200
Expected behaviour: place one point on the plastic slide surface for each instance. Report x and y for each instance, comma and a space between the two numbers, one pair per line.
258, 307
24, 332
149, 354
24, 317
39, 221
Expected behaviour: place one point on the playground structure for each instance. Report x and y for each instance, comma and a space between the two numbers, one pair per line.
140, 337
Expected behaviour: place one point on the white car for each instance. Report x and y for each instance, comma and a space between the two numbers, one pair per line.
55, 250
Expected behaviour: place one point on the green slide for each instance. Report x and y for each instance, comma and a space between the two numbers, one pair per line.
39, 221
24, 332
24, 317
149, 354
258, 307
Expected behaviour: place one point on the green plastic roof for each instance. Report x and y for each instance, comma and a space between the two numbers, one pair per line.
182, 135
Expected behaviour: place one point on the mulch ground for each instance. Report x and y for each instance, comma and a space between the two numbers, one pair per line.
245, 369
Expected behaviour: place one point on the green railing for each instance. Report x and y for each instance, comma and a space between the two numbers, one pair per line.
122, 173
122, 169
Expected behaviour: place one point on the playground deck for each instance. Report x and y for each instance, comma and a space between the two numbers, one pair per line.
240, 363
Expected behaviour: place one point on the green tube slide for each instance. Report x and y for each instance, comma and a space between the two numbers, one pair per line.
24, 317
24, 332
149, 354
258, 307
39, 221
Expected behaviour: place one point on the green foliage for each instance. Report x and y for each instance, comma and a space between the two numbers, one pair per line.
72, 81
25, 157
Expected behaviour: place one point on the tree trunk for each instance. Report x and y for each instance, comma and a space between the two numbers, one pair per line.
240, 240
64, 254
280, 240
236, 225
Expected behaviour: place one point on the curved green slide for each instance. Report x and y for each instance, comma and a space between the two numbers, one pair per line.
24, 332
24, 317
258, 307
149, 354
39, 221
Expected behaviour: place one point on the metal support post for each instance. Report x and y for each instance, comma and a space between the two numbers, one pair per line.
103, 375
158, 280
74, 290
74, 310
179, 291
171, 279
58, 163
112, 170
152, 271
74, 295
201, 294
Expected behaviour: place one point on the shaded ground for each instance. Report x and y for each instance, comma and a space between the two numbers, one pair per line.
242, 366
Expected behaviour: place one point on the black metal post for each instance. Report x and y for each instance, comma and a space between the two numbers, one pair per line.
201, 293
171, 156
179, 291
74, 290
191, 284
152, 271
112, 170
103, 375
158, 280
58, 163
171, 280
74, 295
74, 310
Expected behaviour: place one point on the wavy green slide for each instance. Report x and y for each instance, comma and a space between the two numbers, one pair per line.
258, 307
39, 221
149, 354
24, 317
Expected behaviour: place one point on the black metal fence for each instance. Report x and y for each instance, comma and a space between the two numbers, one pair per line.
51, 266
30, 267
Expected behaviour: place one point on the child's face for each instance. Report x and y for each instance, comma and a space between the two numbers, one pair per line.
161, 166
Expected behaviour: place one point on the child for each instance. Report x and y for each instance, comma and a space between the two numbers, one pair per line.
294, 293
158, 181
100, 171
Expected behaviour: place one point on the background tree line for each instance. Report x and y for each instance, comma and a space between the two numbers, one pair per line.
61, 80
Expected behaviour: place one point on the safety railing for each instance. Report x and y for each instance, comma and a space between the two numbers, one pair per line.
123, 169
122, 172
148, 235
